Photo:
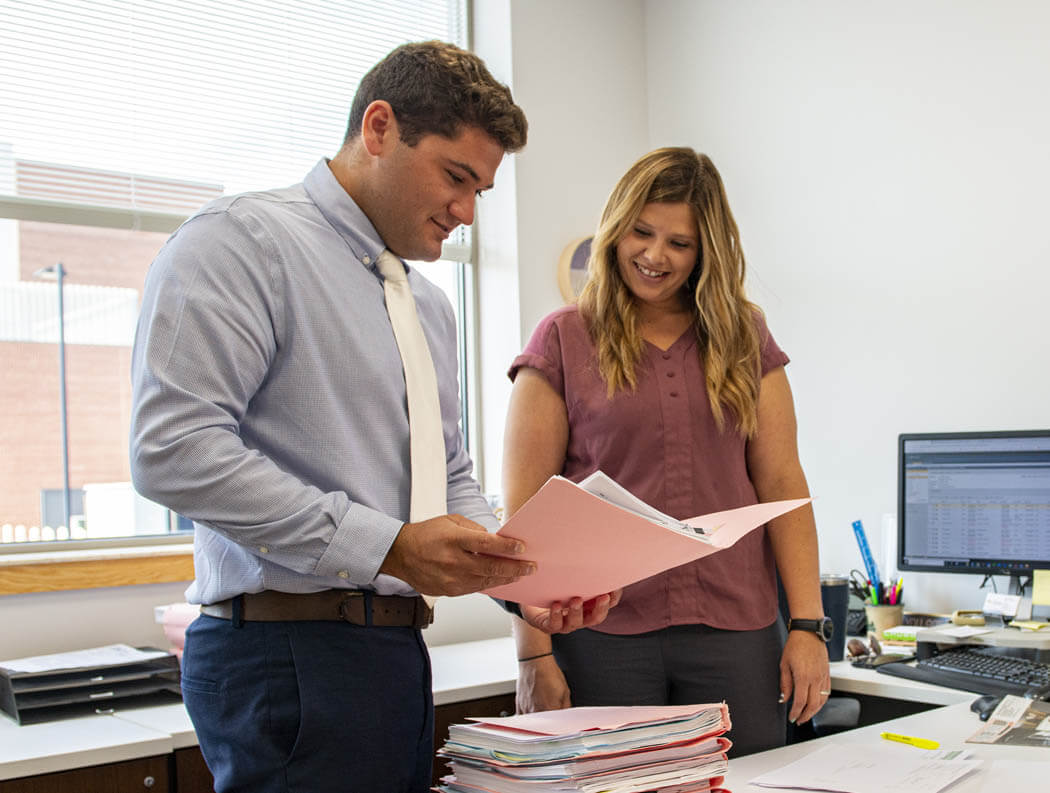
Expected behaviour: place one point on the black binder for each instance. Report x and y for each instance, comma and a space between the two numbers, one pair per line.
33, 697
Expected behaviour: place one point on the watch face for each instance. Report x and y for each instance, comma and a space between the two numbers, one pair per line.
827, 629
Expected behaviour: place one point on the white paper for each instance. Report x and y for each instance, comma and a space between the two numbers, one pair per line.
111, 655
1001, 603
1007, 776
601, 485
963, 631
853, 768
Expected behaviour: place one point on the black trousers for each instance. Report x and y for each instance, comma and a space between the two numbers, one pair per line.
310, 706
682, 665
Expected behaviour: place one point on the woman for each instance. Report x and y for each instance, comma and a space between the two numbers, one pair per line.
665, 377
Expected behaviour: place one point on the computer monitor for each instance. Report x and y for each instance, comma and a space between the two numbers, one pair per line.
974, 502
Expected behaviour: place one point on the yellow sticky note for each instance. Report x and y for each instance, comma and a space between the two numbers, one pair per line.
1029, 625
1041, 588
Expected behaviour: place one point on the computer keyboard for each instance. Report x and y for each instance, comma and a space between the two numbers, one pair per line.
978, 669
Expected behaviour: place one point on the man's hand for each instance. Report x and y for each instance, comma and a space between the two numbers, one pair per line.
451, 555
577, 614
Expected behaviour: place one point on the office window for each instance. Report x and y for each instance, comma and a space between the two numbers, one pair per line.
118, 118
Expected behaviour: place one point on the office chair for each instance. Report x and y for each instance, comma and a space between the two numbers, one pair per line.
838, 714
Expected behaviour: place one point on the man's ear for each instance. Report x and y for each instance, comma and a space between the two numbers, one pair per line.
379, 127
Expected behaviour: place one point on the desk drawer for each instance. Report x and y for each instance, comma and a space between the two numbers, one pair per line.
145, 775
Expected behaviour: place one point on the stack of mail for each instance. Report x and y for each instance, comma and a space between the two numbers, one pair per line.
671, 749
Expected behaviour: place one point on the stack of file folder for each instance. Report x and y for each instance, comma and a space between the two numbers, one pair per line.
670, 749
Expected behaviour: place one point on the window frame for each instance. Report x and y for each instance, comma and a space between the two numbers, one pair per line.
44, 566
34, 566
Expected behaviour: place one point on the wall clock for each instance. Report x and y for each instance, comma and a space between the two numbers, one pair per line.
572, 268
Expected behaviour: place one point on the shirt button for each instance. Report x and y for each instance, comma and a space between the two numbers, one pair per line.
670, 374
343, 574
673, 393
667, 356
366, 260
263, 549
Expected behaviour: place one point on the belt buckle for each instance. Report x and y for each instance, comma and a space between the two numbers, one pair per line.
351, 599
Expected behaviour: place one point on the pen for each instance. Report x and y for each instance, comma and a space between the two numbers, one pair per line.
897, 592
874, 595
922, 743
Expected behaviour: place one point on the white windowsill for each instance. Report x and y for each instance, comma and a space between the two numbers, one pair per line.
93, 554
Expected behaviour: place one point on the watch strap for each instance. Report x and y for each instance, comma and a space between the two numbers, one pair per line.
822, 627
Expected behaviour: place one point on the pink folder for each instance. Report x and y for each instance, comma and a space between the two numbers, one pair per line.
585, 546
570, 721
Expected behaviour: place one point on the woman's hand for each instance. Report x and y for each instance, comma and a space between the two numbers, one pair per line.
571, 616
804, 675
541, 686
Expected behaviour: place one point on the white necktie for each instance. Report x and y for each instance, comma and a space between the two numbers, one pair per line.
427, 439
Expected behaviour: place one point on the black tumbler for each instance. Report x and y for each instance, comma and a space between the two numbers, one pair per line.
834, 594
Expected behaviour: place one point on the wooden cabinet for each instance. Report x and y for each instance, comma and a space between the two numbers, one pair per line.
191, 773
145, 775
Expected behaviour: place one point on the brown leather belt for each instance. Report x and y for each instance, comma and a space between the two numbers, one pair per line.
345, 605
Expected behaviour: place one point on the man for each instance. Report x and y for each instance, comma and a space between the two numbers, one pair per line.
270, 407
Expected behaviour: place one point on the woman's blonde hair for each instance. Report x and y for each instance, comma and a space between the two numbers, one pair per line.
728, 341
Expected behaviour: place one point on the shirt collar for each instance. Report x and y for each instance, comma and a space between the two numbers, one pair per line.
343, 214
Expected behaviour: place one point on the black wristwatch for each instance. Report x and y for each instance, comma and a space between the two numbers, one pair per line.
824, 628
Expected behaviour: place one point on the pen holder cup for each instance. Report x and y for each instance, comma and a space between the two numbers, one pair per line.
834, 595
882, 617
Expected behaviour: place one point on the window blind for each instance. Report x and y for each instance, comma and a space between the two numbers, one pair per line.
148, 108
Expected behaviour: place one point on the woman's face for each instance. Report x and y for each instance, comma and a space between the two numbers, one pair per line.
658, 253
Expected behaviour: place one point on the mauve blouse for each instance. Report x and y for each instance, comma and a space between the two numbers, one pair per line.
661, 443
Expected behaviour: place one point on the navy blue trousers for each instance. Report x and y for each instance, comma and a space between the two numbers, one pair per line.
684, 665
283, 707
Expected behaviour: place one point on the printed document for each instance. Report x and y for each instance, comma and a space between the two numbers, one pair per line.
855, 768
111, 655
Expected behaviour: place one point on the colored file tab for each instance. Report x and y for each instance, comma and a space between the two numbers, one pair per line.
869, 562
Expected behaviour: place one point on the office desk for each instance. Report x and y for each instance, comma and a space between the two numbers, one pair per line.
848, 679
131, 746
473, 678
1005, 768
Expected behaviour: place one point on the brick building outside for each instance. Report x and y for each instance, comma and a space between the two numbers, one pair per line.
105, 269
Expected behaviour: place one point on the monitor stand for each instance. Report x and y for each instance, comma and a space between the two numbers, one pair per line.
1021, 584
940, 637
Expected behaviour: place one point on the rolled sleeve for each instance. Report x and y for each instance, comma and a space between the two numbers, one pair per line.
544, 354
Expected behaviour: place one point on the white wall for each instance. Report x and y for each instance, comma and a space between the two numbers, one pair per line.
578, 71
52, 622
888, 167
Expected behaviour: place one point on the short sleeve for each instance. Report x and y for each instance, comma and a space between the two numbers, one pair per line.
772, 355
544, 354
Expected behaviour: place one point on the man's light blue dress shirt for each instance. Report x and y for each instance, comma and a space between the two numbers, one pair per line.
269, 397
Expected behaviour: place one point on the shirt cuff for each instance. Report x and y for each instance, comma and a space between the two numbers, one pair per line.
361, 542
509, 606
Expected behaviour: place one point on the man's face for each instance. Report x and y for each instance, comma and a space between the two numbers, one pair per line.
429, 189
